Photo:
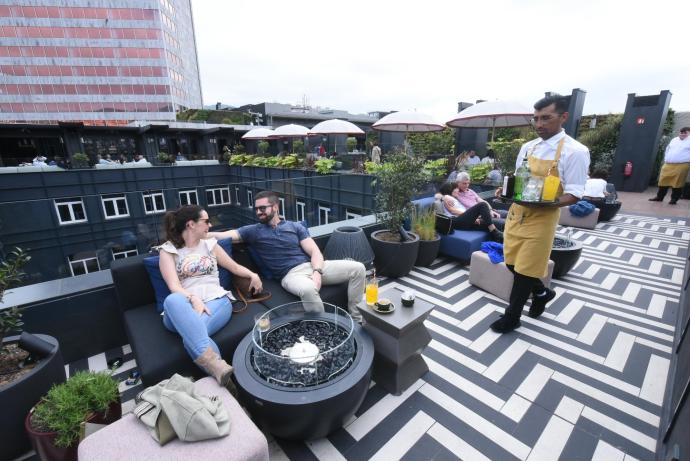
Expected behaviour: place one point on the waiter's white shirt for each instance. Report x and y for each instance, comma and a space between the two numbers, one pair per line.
572, 166
678, 151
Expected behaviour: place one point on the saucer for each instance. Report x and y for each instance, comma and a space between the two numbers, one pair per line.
376, 309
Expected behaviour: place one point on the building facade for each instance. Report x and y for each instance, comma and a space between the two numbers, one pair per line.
97, 60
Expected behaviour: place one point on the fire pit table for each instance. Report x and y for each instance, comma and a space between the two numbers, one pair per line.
302, 372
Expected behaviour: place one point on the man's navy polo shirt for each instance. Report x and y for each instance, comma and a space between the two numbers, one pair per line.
278, 248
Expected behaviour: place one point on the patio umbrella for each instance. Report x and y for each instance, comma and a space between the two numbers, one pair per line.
336, 126
408, 122
492, 114
258, 133
290, 131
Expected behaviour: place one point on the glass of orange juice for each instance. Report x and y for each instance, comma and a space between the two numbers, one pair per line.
372, 290
551, 184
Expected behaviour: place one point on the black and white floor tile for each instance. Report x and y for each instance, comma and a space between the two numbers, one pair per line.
584, 381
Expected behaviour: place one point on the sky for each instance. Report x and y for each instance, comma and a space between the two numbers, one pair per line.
426, 56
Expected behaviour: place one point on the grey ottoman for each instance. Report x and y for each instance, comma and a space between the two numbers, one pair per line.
129, 439
496, 278
585, 222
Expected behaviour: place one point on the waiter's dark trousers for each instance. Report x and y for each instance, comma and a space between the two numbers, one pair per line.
523, 286
676, 192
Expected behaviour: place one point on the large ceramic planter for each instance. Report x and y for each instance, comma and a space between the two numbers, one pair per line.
394, 259
565, 257
17, 397
44, 442
428, 251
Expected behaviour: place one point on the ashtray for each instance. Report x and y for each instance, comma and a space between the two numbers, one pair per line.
407, 298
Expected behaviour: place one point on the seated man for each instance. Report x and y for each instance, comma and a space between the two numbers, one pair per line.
294, 258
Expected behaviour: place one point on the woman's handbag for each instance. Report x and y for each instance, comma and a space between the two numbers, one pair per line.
245, 294
444, 224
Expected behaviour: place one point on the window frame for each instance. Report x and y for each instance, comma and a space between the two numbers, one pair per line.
131, 249
250, 198
281, 207
152, 195
187, 193
300, 208
220, 190
327, 211
83, 261
70, 202
114, 198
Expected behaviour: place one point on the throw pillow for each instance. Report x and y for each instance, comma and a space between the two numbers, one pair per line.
224, 275
160, 288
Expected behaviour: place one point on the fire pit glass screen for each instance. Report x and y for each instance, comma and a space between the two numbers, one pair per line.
298, 345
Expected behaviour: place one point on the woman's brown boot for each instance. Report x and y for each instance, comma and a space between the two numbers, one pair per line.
215, 366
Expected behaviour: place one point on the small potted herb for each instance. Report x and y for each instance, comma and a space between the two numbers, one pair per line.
424, 225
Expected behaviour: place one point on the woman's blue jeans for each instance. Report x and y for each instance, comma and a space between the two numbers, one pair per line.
196, 328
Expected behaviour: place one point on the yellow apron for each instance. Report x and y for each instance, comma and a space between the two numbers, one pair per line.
529, 232
673, 174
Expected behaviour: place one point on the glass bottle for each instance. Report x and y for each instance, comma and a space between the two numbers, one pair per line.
521, 177
508, 186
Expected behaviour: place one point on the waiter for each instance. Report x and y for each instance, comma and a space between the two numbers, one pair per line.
676, 167
530, 230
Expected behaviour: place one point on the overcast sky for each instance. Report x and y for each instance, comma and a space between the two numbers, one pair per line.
372, 55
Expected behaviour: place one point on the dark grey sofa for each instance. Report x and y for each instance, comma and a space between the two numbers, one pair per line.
159, 353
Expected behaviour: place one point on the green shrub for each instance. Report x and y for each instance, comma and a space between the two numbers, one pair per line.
80, 160
506, 152
436, 170
324, 165
399, 179
351, 143
200, 115
263, 147
68, 404
439, 142
372, 167
298, 146
478, 172
163, 157
424, 223
602, 141
289, 161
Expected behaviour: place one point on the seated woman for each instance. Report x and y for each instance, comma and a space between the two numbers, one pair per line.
477, 217
470, 198
198, 306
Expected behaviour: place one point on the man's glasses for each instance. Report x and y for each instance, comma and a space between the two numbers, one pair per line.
262, 208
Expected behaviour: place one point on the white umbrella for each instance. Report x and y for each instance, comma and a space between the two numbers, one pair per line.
290, 131
258, 133
408, 122
492, 114
336, 126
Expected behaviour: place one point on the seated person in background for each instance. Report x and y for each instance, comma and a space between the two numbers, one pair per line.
478, 217
39, 160
180, 157
198, 306
101, 161
472, 159
595, 187
490, 158
293, 257
138, 158
469, 198
494, 177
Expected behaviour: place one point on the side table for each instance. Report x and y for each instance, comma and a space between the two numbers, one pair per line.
399, 338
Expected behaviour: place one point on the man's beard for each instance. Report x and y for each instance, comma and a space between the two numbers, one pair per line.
266, 218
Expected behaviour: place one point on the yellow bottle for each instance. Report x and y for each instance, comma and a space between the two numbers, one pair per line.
550, 189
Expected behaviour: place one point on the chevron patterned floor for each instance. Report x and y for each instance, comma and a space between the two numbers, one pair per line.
585, 381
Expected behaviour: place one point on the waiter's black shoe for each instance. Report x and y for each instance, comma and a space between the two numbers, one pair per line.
539, 303
655, 199
673, 202
505, 324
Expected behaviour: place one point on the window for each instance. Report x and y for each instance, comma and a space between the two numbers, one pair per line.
351, 215
218, 196
281, 207
237, 196
114, 206
154, 202
300, 215
83, 263
188, 197
70, 210
324, 213
124, 251
250, 198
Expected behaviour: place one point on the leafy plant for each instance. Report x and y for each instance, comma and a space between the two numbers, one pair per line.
324, 165
163, 157
237, 159
603, 140
10, 320
506, 151
372, 167
298, 146
68, 404
478, 172
398, 181
263, 147
440, 142
80, 160
436, 169
239, 149
424, 224
259, 161
11, 269
289, 161
351, 143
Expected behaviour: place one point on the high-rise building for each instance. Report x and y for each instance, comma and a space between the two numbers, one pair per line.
97, 60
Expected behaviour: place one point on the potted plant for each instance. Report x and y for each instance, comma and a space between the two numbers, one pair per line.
25, 375
324, 165
398, 180
263, 147
351, 144
424, 225
80, 160
565, 253
54, 424
163, 157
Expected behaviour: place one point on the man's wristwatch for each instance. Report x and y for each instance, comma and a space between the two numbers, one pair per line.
320, 271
